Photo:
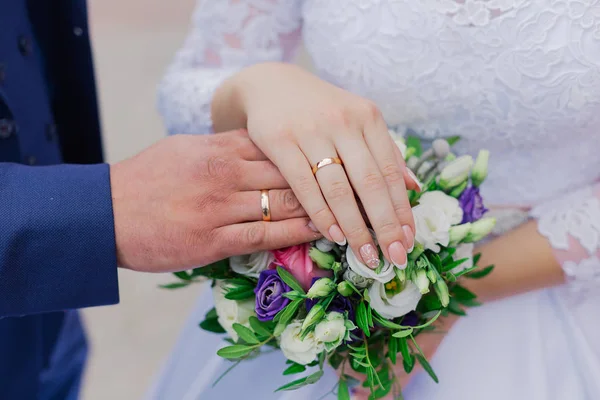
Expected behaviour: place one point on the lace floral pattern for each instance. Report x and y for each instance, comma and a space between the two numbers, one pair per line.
520, 77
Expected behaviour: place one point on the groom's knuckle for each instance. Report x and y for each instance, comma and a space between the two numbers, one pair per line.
254, 235
218, 167
289, 202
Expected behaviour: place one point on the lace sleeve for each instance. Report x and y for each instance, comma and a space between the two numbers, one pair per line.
226, 36
572, 226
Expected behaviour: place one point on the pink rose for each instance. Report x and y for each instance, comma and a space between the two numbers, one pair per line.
296, 261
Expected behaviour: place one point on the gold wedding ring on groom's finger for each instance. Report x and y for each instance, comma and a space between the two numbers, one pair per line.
325, 162
264, 205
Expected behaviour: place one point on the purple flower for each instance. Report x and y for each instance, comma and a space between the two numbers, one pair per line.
471, 203
410, 319
269, 295
339, 304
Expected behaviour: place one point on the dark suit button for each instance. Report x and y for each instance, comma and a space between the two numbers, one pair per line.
50, 132
2, 73
31, 160
7, 128
25, 45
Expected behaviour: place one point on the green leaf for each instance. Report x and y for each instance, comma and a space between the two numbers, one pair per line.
322, 358
476, 258
294, 369
404, 333
452, 140
404, 349
370, 316
293, 295
259, 327
435, 260
175, 285
387, 323
212, 325
217, 270
415, 142
393, 349
343, 392
286, 315
469, 303
431, 321
409, 365
335, 360
454, 308
183, 275
240, 294
235, 351
298, 383
454, 264
481, 273
427, 367
211, 314
462, 293
290, 280
246, 334
240, 283
362, 319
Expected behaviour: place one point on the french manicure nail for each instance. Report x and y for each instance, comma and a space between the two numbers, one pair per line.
312, 227
369, 255
410, 238
337, 235
415, 179
397, 254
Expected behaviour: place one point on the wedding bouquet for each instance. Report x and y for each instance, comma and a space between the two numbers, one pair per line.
318, 303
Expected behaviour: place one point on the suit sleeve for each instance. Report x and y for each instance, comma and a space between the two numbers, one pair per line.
57, 239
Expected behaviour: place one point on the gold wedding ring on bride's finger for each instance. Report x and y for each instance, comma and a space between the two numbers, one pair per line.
325, 162
264, 205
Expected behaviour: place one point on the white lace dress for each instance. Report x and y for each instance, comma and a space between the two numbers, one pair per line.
520, 77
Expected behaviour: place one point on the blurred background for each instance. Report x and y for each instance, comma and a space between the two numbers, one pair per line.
134, 41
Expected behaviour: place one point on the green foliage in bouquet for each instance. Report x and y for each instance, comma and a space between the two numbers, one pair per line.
355, 319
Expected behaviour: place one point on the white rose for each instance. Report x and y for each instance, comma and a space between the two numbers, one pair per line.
463, 251
432, 227
390, 305
449, 205
354, 264
301, 351
357, 280
331, 330
253, 264
231, 311
399, 140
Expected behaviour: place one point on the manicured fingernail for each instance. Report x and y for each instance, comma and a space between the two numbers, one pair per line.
337, 235
312, 227
369, 255
415, 179
397, 254
410, 238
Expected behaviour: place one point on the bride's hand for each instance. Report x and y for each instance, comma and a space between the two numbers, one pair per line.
297, 120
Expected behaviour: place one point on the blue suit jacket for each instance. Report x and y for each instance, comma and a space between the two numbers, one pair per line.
57, 245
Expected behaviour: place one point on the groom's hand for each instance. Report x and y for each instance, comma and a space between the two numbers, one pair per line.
190, 200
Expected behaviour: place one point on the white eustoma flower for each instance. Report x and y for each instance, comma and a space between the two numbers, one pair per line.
301, 351
432, 227
357, 280
332, 329
232, 311
253, 264
394, 303
385, 273
399, 140
463, 251
456, 172
449, 205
